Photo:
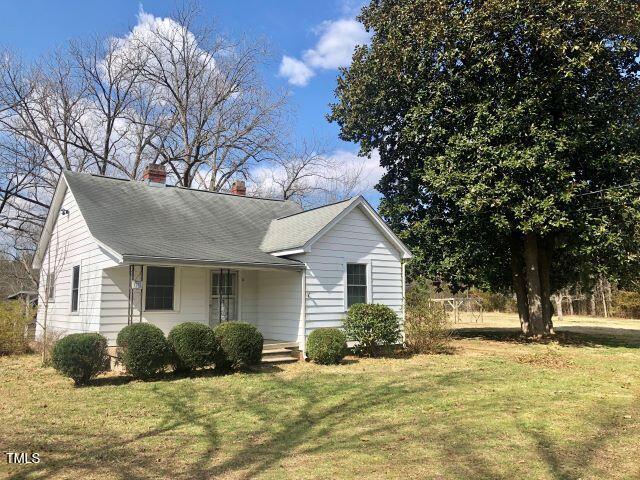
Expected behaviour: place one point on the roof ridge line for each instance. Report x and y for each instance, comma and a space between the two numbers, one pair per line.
109, 177
317, 208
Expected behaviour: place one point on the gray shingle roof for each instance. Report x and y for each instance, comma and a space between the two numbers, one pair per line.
138, 220
294, 231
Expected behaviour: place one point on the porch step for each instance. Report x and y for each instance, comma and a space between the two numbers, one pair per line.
270, 345
279, 359
280, 352
275, 351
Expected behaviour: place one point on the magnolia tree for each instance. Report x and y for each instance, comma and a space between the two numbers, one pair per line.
510, 133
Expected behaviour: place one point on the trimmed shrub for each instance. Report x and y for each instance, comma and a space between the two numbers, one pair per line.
373, 326
327, 346
194, 345
81, 356
143, 349
241, 345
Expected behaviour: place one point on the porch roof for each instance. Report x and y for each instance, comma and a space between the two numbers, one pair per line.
177, 225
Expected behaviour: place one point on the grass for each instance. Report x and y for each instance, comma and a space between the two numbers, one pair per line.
497, 408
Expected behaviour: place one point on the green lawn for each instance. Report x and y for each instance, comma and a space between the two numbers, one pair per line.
488, 411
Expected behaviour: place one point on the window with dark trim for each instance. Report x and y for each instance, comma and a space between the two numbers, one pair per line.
356, 283
159, 289
75, 287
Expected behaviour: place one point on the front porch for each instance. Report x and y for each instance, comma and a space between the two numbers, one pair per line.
166, 295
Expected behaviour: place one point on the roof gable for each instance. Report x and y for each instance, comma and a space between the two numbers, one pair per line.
294, 231
297, 233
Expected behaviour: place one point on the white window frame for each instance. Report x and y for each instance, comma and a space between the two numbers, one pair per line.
71, 310
367, 263
176, 289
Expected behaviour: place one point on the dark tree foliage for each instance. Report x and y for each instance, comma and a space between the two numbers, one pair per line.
510, 132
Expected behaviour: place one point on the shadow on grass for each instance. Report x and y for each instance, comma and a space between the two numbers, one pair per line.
570, 336
114, 379
304, 416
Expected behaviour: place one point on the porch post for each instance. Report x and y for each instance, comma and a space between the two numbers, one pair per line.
302, 329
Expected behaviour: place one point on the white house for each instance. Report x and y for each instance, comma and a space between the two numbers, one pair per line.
115, 252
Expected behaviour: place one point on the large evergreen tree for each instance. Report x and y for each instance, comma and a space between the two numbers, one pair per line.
510, 132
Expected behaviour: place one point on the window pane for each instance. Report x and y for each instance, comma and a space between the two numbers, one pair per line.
51, 294
75, 282
356, 274
356, 283
160, 286
356, 294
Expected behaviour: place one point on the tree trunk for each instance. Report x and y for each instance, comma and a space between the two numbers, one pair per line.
608, 293
545, 247
570, 304
604, 299
559, 305
592, 303
534, 288
519, 285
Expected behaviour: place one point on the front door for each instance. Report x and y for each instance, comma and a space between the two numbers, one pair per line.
223, 306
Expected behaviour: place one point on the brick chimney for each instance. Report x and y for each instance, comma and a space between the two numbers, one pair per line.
155, 175
238, 188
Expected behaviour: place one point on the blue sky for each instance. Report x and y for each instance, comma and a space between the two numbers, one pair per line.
308, 40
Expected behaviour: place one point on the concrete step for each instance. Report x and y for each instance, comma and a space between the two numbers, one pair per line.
276, 351
270, 345
279, 359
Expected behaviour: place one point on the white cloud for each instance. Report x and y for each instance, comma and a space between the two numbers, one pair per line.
295, 71
337, 41
371, 169
334, 48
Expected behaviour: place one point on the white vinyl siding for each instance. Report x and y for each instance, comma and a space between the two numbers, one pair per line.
72, 245
269, 299
354, 239
191, 302
279, 304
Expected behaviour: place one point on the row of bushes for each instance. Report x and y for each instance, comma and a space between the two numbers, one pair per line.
144, 350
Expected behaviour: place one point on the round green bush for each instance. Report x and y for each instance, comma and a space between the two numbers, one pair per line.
241, 345
81, 356
372, 326
194, 346
143, 349
326, 346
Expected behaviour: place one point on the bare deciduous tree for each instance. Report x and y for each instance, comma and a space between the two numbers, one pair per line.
219, 116
309, 176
